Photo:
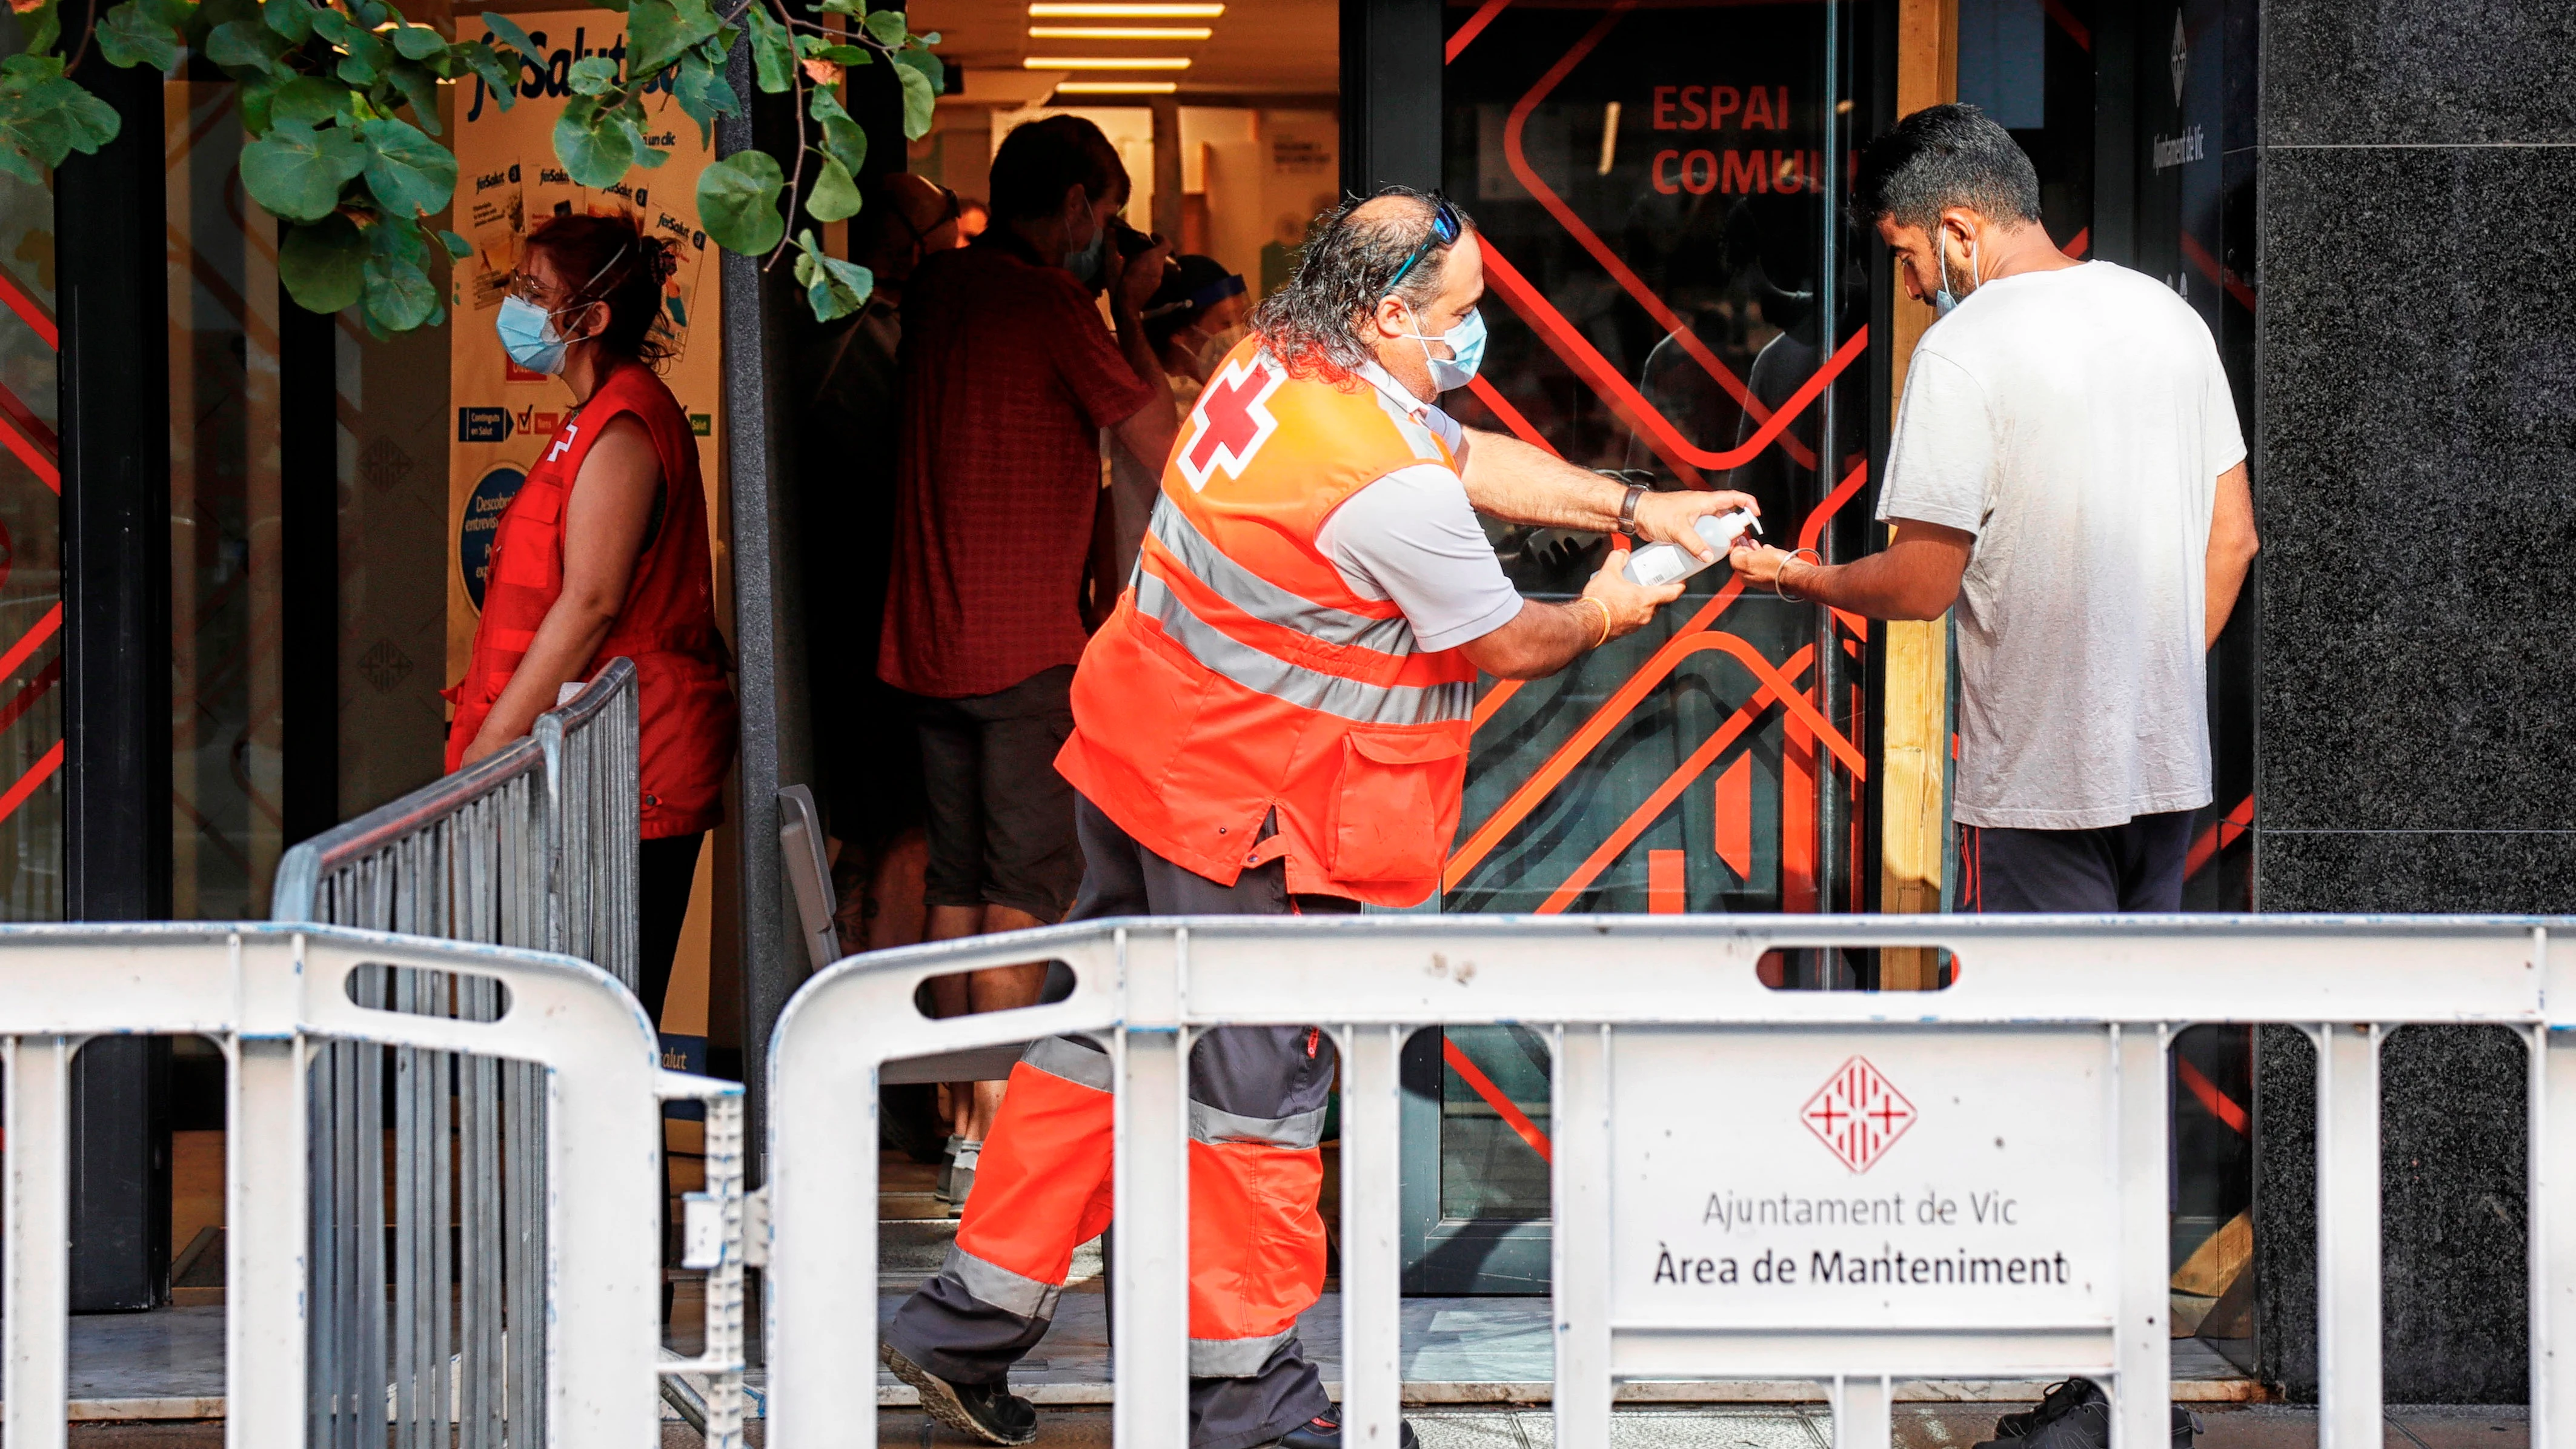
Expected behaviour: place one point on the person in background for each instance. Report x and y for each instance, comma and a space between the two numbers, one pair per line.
2067, 469
1192, 321
870, 757
603, 552
1007, 378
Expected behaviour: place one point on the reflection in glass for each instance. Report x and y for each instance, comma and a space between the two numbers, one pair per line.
31, 659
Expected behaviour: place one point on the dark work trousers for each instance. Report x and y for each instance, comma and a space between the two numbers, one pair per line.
1042, 1187
2131, 867
666, 870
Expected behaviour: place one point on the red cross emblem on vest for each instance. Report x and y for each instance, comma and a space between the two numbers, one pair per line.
1231, 421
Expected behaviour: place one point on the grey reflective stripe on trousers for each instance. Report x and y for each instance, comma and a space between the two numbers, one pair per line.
1267, 601
1063, 1057
1293, 1134
1351, 699
1234, 1358
999, 1286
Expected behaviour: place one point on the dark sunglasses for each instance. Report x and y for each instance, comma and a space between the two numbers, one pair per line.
1446, 227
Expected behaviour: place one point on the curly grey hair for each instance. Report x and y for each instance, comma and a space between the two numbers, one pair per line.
1314, 324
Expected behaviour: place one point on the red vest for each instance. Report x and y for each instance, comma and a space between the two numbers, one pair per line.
1240, 676
667, 625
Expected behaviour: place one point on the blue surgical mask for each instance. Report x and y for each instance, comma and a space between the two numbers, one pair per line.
528, 333
1943, 302
1085, 264
1467, 348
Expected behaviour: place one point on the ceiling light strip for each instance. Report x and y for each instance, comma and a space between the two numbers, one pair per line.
1119, 32
1116, 88
1095, 10
1106, 62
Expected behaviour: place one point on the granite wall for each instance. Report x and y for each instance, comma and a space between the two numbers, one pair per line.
2417, 494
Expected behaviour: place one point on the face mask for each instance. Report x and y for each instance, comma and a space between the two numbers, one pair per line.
528, 334
1085, 264
1467, 343
1212, 352
1943, 301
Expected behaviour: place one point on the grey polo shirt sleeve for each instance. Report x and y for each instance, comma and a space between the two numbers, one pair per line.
1412, 537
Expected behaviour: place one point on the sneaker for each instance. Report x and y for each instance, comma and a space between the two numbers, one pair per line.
948, 1172
1324, 1431
961, 1176
991, 1413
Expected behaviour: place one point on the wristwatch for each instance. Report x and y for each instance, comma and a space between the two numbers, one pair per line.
1628, 508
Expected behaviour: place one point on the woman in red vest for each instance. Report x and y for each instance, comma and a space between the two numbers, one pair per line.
603, 553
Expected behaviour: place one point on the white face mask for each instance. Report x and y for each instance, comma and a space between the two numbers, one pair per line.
1943, 301
1211, 352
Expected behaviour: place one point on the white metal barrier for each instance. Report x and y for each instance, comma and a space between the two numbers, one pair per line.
276, 998
2002, 1215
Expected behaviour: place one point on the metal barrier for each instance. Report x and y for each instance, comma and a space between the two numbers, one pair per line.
532, 846
1750, 1183
278, 1000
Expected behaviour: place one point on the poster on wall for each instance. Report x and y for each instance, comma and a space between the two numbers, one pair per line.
508, 182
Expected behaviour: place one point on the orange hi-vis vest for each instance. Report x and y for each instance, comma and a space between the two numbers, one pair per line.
1241, 676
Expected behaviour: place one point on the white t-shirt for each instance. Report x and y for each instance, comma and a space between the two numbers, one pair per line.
2076, 422
1412, 537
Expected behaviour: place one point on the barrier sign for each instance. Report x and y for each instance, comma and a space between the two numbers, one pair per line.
1864, 1180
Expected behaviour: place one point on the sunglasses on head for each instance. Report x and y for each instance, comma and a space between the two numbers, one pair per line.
1446, 227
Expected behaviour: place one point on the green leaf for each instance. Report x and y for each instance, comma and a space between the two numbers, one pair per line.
45, 117
717, 47
399, 293
773, 59
308, 99
929, 65
845, 7
290, 18
44, 30
245, 45
843, 139
886, 27
366, 56
595, 149
835, 196
406, 170
659, 31
297, 172
500, 77
704, 93
920, 100
420, 89
323, 264
417, 42
129, 36
833, 288
506, 31
593, 74
844, 54
457, 246
738, 202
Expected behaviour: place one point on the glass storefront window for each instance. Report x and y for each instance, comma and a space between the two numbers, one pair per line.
226, 649
31, 607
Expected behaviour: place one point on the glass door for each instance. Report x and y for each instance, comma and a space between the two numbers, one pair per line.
1675, 297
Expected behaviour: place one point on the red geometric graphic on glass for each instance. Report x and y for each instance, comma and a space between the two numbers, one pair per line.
1858, 1114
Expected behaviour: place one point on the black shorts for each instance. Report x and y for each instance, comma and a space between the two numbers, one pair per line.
2131, 867
1001, 818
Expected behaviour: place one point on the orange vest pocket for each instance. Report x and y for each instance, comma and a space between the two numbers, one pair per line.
1397, 789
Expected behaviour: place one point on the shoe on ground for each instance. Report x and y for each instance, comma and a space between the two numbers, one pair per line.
961, 1176
944, 1190
1324, 1431
988, 1413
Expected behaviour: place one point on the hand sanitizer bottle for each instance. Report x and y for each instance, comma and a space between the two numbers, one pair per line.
1663, 563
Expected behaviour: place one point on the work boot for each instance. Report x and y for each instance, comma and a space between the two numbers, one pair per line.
989, 1412
1324, 1431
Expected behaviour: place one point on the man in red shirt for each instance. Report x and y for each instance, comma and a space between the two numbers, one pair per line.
1008, 379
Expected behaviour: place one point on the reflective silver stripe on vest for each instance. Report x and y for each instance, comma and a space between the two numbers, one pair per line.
1234, 1358
1061, 1057
1294, 1134
1267, 601
999, 1286
1351, 699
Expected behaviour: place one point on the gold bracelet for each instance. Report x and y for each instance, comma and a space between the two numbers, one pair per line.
1605, 620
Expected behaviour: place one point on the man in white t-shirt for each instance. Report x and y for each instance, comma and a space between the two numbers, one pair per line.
2067, 469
